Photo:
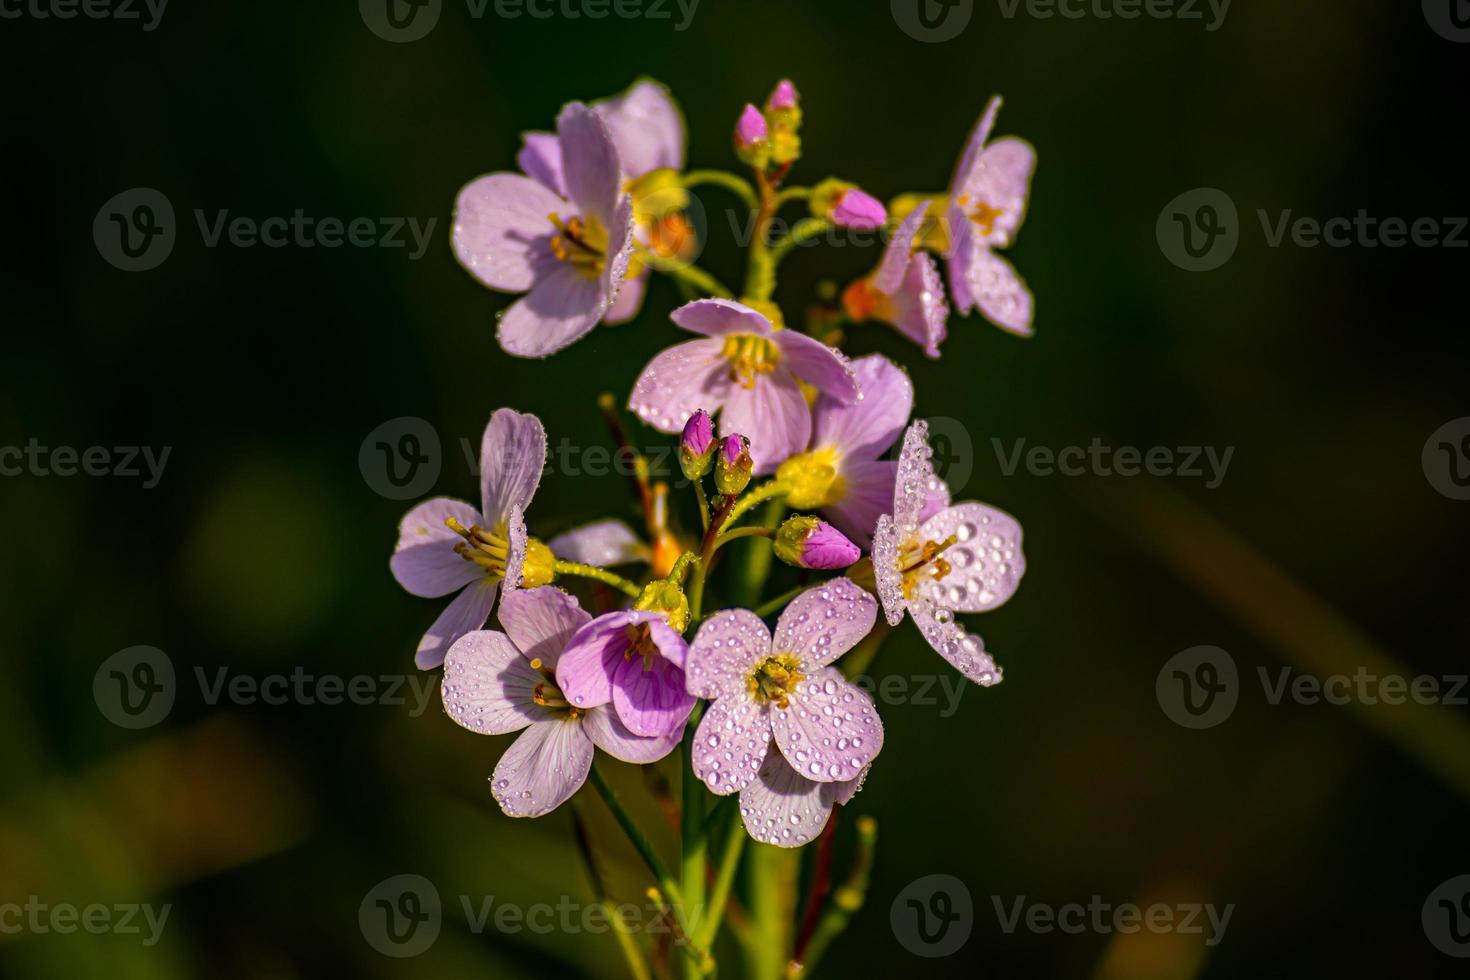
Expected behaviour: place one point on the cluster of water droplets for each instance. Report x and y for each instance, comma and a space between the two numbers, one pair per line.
839, 609
985, 559
730, 743
830, 731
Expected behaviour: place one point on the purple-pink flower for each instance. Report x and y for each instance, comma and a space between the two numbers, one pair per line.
858, 209
841, 472
932, 559
634, 660
568, 251
905, 290
485, 547
808, 542
498, 683
747, 369
780, 689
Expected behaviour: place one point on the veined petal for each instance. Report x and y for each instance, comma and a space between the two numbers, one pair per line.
1000, 182
518, 539
824, 622
975, 145
540, 159
986, 561
541, 622
620, 250
920, 311
502, 232
488, 687
589, 162
512, 455
867, 494
965, 651
773, 415
994, 286
647, 128
830, 731
784, 808
650, 697
543, 768
424, 561
824, 368
917, 489
718, 317
866, 428
724, 652
603, 543
629, 300
886, 571
679, 382
562, 308
613, 737
592, 656
468, 611
732, 739
896, 254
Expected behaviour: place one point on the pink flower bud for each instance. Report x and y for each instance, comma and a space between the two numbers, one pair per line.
807, 542
697, 445
785, 96
860, 210
751, 129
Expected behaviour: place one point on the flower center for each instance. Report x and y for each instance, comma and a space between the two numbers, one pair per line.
774, 679
922, 563
549, 696
982, 214
814, 478
490, 549
750, 356
640, 644
581, 242
863, 301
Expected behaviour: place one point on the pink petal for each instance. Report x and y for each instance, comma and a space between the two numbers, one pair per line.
620, 251
724, 652
562, 308
830, 731
613, 737
1001, 179
899, 249
541, 622
628, 302
824, 622
784, 808
859, 209
824, 368
651, 699
965, 651
773, 415
917, 489
719, 317
512, 455
975, 146
603, 543
518, 540
732, 739
886, 547
866, 428
467, 612
589, 162
592, 656
986, 560
540, 159
646, 127
980, 278
488, 687
502, 233
679, 382
920, 311
424, 561
867, 494
543, 768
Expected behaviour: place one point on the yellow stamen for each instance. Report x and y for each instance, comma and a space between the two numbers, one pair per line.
750, 356
774, 680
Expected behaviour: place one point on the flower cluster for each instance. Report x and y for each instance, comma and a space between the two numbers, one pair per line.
788, 446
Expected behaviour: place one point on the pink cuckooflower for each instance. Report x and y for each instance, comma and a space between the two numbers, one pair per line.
432, 560
569, 254
932, 559
841, 471
647, 129
498, 683
748, 369
905, 290
634, 660
782, 689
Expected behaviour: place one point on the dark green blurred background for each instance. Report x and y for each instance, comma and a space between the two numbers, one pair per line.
263, 548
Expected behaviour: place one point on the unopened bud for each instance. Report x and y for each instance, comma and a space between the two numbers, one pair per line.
808, 542
847, 206
733, 465
697, 445
753, 138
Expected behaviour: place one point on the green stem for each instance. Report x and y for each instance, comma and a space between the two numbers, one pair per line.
600, 574
695, 276
759, 495
806, 230
846, 901
758, 560
743, 532
694, 841
703, 503
639, 842
760, 277
770, 877
724, 878
725, 179
793, 194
